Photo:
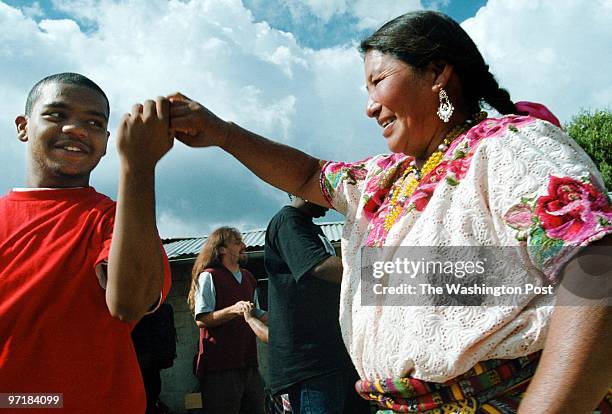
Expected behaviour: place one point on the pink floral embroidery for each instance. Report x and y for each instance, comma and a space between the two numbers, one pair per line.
378, 187
493, 127
458, 168
572, 210
373, 202
390, 161
571, 214
519, 217
377, 233
422, 194
350, 171
333, 173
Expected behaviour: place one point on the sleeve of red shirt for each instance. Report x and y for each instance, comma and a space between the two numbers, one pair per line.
105, 229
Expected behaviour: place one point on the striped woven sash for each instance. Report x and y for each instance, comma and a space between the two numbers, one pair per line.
494, 386
490, 387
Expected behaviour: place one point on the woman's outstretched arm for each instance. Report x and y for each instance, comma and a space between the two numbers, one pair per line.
282, 166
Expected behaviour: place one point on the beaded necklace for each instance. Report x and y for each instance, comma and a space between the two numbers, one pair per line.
405, 185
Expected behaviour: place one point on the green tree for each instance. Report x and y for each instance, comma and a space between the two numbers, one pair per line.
593, 132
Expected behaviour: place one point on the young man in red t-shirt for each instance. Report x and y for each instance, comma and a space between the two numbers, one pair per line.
69, 296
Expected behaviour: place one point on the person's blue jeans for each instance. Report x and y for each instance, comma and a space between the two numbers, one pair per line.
327, 394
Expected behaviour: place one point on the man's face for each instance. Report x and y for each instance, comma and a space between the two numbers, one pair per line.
66, 133
235, 251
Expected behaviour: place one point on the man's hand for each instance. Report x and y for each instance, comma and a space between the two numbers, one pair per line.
143, 137
219, 317
239, 308
259, 326
248, 315
193, 124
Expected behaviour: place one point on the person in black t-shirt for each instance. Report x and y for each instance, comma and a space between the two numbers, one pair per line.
307, 357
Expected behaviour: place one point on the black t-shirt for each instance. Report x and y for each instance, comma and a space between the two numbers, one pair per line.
305, 339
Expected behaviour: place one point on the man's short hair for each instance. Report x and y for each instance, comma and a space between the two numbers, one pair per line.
67, 78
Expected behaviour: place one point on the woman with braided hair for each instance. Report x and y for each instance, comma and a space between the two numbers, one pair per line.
456, 176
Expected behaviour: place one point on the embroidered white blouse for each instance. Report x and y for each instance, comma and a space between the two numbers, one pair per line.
511, 181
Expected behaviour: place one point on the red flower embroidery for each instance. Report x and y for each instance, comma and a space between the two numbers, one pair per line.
572, 209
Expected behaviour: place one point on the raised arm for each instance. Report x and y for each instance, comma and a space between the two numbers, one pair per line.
135, 263
282, 166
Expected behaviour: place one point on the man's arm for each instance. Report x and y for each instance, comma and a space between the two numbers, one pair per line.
279, 165
135, 262
258, 325
575, 371
219, 317
329, 269
302, 249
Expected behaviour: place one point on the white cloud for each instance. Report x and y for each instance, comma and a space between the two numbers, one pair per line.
284, 58
176, 227
274, 118
553, 52
338, 90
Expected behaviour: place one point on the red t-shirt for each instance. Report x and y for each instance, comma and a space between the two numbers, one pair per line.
56, 333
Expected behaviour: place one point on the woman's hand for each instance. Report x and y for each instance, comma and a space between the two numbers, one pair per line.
193, 124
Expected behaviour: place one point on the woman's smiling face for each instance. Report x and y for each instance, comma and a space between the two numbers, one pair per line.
403, 101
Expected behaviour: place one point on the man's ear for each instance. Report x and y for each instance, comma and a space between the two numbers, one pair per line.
106, 143
21, 122
222, 250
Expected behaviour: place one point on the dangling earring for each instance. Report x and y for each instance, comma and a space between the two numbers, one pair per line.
446, 108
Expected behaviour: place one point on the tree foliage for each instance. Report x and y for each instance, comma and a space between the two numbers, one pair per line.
593, 132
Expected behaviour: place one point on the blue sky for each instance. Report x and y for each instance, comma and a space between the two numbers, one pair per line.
287, 69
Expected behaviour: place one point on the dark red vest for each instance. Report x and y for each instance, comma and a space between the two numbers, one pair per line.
232, 344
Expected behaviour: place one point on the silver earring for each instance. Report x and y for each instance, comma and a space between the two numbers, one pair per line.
446, 108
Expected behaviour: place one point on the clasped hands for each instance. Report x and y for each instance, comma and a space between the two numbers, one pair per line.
147, 133
244, 308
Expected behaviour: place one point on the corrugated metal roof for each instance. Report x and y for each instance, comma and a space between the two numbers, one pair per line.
254, 239
332, 230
